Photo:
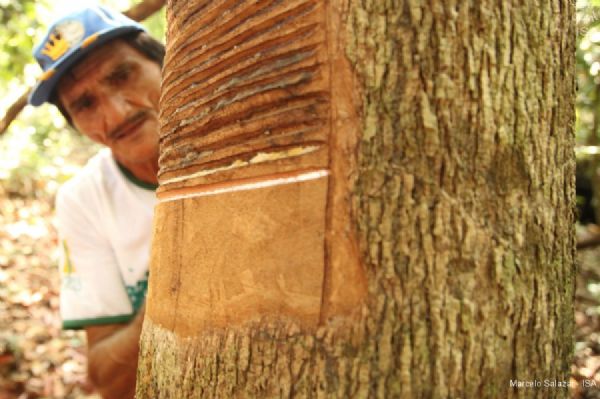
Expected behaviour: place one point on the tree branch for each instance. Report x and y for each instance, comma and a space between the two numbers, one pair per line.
588, 241
143, 10
139, 12
13, 111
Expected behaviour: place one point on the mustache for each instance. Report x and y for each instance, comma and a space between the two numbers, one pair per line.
130, 121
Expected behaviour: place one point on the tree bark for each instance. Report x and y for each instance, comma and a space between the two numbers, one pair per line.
363, 199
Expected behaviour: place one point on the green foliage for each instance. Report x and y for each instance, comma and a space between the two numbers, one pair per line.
588, 68
156, 24
19, 25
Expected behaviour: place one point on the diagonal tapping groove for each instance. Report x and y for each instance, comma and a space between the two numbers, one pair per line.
255, 102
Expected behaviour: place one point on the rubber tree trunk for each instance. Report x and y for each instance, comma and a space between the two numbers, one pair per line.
367, 199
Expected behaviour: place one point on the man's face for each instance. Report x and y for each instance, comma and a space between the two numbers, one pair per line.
112, 97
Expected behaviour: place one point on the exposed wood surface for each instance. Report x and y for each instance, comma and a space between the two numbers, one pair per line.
247, 99
265, 259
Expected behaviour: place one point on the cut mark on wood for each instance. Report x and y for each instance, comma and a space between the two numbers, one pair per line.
215, 45
242, 185
247, 92
238, 163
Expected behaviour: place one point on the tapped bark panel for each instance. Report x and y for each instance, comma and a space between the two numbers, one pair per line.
247, 97
245, 91
227, 268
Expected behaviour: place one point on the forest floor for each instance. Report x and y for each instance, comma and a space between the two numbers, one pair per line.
586, 363
39, 360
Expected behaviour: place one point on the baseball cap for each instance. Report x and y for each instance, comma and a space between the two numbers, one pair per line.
70, 38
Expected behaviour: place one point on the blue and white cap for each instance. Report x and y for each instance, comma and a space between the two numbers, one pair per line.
70, 38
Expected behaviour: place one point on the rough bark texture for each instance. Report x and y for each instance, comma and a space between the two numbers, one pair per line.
462, 190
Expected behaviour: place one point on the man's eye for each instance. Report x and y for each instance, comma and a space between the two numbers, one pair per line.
120, 76
84, 104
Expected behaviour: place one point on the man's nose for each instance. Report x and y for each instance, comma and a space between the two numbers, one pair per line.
116, 110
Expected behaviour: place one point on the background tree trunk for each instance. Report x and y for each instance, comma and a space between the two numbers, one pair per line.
310, 149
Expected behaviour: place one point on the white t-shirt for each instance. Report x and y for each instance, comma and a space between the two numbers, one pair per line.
104, 219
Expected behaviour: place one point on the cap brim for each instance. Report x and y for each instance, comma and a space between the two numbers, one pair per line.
43, 89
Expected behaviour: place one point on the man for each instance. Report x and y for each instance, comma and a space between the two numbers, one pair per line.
102, 70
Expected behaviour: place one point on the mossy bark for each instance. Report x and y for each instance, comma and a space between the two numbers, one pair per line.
462, 194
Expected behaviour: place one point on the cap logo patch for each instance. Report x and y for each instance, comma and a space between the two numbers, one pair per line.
63, 37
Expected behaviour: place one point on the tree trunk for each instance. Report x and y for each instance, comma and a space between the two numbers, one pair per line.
368, 199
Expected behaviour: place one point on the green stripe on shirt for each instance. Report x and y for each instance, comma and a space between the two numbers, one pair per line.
79, 324
131, 177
